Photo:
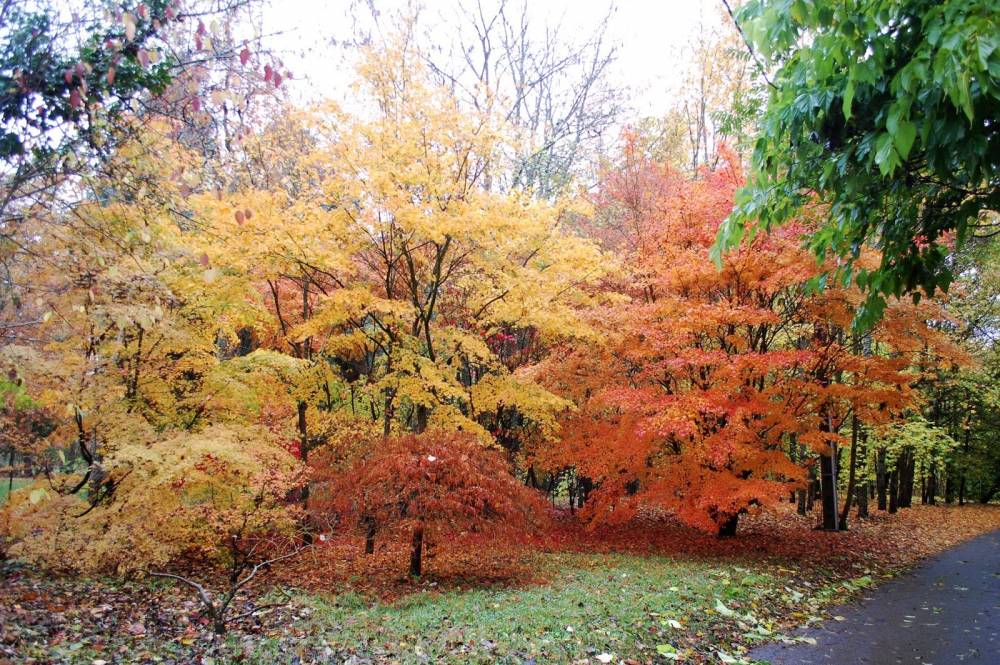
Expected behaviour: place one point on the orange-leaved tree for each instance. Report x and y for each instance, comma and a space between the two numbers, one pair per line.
685, 408
433, 482
708, 375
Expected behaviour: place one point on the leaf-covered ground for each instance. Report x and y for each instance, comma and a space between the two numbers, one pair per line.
656, 593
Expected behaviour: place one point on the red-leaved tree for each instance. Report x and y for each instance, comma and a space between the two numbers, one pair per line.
445, 483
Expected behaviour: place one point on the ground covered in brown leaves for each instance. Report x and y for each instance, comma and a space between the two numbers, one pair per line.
522, 599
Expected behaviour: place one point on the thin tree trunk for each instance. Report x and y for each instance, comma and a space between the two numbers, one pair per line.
894, 490
370, 527
307, 535
828, 487
416, 550
851, 479
881, 479
906, 467
932, 486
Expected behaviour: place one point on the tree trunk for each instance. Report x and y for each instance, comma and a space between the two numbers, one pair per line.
828, 486
906, 467
881, 479
531, 479
307, 535
863, 500
369, 535
932, 486
801, 507
422, 414
851, 478
894, 490
811, 489
728, 528
416, 550
586, 487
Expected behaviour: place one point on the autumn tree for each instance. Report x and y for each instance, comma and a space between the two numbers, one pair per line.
685, 408
436, 484
390, 259
710, 378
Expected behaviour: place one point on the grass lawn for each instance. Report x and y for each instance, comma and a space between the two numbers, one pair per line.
618, 606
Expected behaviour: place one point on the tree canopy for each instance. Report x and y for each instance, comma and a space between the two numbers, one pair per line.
881, 114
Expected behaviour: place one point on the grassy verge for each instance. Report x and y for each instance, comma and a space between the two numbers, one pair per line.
600, 608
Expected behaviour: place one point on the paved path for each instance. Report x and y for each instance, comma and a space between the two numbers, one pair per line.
945, 612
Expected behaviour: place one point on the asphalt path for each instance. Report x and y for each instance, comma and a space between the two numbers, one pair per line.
945, 612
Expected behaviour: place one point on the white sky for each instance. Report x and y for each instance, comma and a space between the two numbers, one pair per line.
652, 36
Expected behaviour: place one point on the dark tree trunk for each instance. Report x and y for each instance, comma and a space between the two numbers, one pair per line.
863, 500
416, 550
728, 528
894, 490
801, 507
932, 486
828, 485
369, 535
851, 477
307, 536
586, 487
881, 479
422, 414
531, 479
906, 471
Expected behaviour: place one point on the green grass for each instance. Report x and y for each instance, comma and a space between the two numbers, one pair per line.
614, 604
4, 484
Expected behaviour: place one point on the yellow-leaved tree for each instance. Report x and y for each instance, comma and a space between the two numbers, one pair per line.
394, 262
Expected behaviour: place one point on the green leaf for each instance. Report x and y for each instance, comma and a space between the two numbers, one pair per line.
906, 133
848, 98
722, 609
886, 157
37, 495
667, 651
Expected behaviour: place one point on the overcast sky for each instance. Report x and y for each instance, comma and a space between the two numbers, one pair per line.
652, 36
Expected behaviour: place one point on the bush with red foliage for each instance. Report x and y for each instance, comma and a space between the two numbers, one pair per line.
435, 481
